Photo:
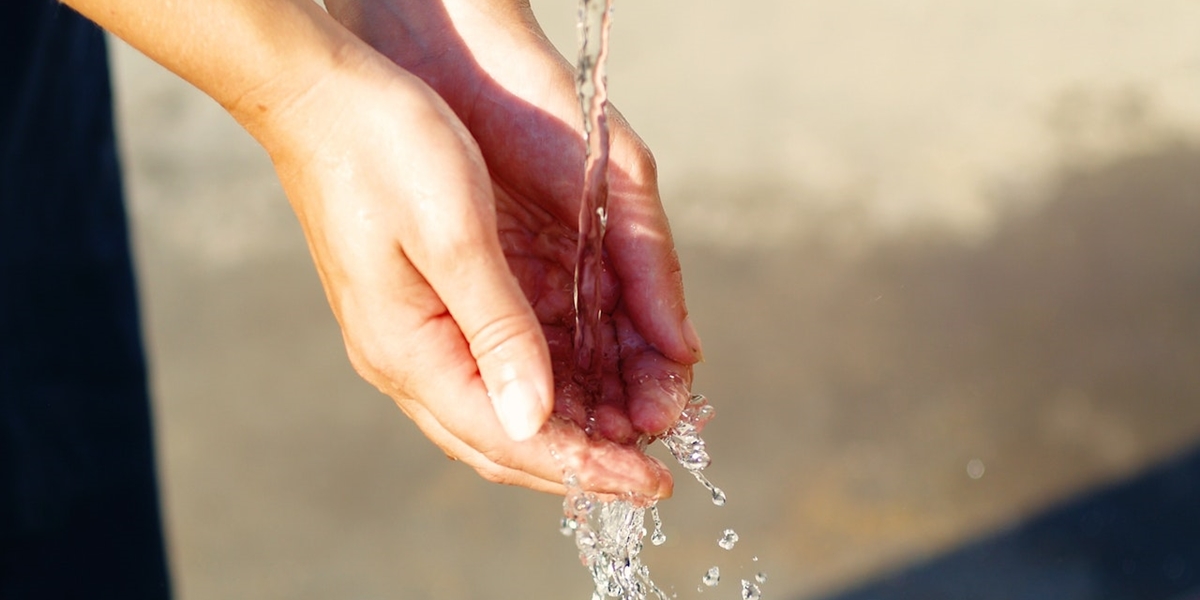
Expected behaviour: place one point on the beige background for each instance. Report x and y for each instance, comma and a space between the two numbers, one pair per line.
915, 234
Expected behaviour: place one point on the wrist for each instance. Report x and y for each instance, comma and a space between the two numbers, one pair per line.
302, 83
253, 58
360, 93
440, 35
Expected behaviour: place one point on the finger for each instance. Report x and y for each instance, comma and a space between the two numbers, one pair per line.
448, 402
447, 398
457, 449
476, 437
429, 371
611, 412
656, 387
643, 251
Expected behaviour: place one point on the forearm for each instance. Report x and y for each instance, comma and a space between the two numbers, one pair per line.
420, 22
253, 57
427, 36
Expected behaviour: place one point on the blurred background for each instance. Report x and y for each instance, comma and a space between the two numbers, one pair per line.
944, 255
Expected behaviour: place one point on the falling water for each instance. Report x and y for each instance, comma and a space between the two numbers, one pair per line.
595, 18
750, 591
609, 534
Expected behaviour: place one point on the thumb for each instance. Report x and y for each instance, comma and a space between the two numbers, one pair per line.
451, 238
514, 362
468, 271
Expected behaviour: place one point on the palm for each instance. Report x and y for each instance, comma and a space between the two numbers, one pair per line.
519, 118
518, 102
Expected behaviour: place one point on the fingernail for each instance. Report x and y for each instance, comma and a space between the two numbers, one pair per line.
519, 409
692, 339
666, 484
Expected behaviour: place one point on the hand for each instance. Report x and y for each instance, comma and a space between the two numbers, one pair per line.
505, 81
400, 216
401, 219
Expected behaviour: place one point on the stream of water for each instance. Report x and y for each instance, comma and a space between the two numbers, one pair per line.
609, 533
595, 18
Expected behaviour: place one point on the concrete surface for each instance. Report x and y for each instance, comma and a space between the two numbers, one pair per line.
915, 235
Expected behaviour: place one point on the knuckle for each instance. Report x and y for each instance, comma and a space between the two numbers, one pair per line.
499, 337
496, 456
457, 249
639, 174
494, 466
378, 367
362, 363
494, 473
645, 166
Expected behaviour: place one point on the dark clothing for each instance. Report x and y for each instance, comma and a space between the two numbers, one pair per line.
79, 513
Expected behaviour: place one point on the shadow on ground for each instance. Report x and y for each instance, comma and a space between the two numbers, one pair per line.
1136, 540
853, 389
1057, 356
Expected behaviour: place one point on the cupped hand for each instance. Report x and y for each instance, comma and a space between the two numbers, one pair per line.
490, 61
417, 248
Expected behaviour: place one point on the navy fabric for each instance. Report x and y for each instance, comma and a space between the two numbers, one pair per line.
79, 514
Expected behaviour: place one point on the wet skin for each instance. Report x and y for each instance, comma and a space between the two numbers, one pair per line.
418, 178
515, 94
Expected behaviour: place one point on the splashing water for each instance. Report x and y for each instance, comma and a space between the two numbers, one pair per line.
685, 444
609, 534
657, 538
750, 591
728, 539
609, 537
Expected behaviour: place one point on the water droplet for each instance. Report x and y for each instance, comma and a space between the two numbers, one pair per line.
567, 526
728, 539
570, 480
614, 590
718, 496
583, 504
975, 468
750, 591
712, 577
657, 538
761, 577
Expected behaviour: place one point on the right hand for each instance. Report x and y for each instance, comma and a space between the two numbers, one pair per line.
400, 216
490, 61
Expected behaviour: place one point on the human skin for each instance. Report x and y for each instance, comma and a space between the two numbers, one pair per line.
432, 237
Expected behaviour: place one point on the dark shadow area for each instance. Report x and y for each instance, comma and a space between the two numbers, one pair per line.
1096, 294
1139, 540
1058, 355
